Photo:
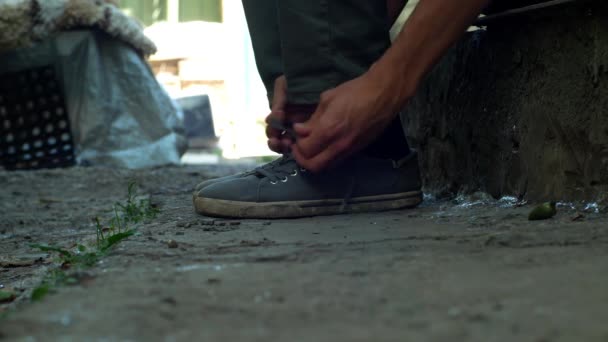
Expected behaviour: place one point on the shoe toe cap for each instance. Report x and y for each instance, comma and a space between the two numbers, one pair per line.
200, 186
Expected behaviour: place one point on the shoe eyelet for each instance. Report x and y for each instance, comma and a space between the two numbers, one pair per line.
294, 173
273, 182
302, 169
284, 180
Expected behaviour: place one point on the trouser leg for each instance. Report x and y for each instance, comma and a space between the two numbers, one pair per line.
327, 42
262, 20
319, 44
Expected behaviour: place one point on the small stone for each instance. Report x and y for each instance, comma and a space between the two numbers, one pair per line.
179, 233
235, 223
172, 244
213, 281
169, 300
267, 223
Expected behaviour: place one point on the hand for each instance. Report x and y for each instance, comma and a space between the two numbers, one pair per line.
278, 142
348, 118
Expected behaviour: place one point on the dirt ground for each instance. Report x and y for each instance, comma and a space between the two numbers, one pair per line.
460, 270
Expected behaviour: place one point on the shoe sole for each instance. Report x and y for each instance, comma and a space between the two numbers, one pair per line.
293, 209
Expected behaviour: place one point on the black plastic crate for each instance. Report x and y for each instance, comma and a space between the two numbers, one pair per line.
34, 124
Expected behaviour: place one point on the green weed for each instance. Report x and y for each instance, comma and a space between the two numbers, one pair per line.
118, 228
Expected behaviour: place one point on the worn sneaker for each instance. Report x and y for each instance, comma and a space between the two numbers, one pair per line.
282, 189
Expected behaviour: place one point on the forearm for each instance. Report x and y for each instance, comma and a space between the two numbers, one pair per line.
431, 29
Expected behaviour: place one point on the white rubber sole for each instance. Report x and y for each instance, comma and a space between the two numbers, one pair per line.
271, 210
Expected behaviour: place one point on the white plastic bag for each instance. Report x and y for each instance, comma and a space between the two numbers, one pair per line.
119, 114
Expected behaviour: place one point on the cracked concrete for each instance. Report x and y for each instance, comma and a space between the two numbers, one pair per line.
466, 269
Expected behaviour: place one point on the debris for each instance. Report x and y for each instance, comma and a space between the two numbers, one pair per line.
16, 263
577, 217
543, 211
172, 244
49, 200
213, 281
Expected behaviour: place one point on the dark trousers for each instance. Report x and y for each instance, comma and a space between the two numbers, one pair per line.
319, 44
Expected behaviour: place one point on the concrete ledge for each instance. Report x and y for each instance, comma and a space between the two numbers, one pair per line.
520, 109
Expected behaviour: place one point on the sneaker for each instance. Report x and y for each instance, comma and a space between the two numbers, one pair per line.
284, 190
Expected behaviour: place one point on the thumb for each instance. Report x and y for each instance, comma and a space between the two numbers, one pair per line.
302, 129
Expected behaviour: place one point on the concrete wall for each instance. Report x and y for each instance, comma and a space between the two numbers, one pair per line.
520, 109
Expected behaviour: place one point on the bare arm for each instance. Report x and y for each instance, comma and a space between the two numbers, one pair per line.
431, 29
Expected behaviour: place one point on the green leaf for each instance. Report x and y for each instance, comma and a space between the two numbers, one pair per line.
40, 292
116, 238
81, 248
45, 248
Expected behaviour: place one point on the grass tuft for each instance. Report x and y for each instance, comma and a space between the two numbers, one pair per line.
117, 229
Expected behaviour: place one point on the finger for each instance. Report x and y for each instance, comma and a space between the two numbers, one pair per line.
275, 116
273, 133
286, 143
275, 145
329, 157
303, 130
316, 142
299, 117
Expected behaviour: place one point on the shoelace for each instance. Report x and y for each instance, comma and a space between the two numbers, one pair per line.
279, 169
265, 166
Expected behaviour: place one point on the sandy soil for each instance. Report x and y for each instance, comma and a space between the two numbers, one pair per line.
448, 271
